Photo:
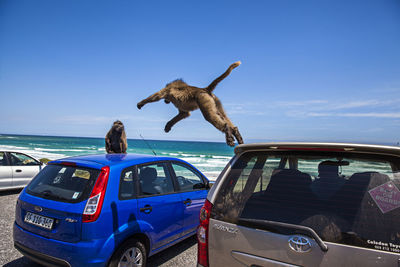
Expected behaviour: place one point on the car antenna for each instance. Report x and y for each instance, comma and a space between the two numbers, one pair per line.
148, 145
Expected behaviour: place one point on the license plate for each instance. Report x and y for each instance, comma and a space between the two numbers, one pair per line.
39, 220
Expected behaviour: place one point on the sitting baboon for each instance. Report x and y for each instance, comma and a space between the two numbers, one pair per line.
116, 138
188, 98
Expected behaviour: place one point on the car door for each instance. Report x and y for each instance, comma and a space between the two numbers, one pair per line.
159, 204
23, 167
5, 171
192, 186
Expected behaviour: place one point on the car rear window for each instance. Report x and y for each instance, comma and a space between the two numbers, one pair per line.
347, 198
63, 183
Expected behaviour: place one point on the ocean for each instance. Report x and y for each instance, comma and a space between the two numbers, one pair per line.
209, 157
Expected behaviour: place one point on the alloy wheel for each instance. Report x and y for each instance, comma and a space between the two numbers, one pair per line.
132, 257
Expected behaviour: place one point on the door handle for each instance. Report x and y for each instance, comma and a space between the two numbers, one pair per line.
187, 202
146, 209
18, 170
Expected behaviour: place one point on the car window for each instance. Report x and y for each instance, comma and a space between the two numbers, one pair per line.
63, 183
127, 185
18, 159
154, 179
348, 198
3, 159
187, 178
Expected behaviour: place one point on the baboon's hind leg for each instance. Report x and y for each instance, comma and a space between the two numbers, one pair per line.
211, 113
228, 136
237, 135
234, 129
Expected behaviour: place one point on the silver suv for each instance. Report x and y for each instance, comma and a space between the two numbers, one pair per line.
304, 204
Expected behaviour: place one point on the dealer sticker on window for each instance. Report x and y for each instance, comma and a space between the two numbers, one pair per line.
386, 196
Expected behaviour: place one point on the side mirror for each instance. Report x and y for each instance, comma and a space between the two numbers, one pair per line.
200, 186
209, 184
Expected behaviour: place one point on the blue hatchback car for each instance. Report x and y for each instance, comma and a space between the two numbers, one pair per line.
108, 210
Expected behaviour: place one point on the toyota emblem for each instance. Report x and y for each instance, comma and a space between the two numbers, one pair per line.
299, 244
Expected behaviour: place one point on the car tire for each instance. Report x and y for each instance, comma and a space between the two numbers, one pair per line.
131, 253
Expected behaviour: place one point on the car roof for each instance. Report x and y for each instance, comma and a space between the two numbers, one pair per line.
314, 146
99, 160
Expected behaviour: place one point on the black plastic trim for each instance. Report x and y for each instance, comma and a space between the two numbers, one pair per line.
40, 257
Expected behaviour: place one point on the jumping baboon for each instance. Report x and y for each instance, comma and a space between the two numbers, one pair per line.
188, 98
116, 138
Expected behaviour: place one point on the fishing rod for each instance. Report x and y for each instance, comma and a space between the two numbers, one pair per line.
148, 145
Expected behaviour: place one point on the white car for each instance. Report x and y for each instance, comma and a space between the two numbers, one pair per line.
17, 169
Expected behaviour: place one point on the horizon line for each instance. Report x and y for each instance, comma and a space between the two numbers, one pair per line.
252, 140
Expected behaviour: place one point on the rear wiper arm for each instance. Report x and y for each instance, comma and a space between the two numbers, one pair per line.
48, 193
304, 229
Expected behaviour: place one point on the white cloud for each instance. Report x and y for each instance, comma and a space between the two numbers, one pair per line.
364, 108
247, 108
365, 103
337, 105
289, 104
393, 115
93, 119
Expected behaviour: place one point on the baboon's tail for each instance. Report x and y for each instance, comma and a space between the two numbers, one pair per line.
212, 85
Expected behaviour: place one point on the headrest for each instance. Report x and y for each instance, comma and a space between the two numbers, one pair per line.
370, 179
148, 174
289, 176
328, 167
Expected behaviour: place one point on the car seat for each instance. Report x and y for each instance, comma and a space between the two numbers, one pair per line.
147, 179
346, 201
289, 186
329, 181
289, 195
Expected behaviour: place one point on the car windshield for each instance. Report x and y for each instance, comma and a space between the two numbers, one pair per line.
346, 198
63, 183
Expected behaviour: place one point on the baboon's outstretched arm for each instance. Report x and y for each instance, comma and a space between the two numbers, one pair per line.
182, 115
153, 98
212, 85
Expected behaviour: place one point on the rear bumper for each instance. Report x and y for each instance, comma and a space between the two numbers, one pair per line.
39, 257
50, 252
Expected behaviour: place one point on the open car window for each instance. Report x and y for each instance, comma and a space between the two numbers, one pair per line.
19, 159
187, 178
154, 179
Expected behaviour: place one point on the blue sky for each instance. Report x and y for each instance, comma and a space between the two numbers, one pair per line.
311, 70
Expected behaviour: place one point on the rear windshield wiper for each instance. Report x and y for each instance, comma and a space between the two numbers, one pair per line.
49, 194
304, 229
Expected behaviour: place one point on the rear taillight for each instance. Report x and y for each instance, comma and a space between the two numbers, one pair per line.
202, 234
95, 202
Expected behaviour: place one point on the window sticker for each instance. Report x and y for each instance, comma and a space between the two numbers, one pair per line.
384, 246
75, 196
386, 196
82, 174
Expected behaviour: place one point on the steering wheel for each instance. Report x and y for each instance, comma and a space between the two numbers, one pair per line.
183, 181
